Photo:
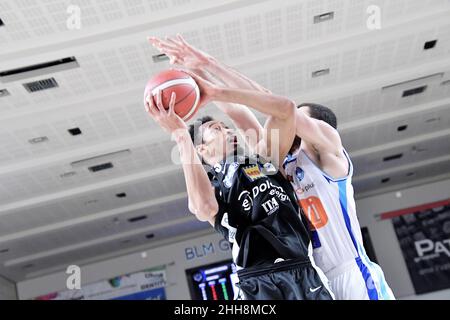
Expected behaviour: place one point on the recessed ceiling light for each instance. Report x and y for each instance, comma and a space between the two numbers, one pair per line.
38, 140
402, 128
75, 131
398, 194
150, 236
121, 195
1, 23
429, 44
385, 180
143, 255
138, 218
410, 174
393, 157
28, 266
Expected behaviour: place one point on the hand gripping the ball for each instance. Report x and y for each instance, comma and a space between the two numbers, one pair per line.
165, 118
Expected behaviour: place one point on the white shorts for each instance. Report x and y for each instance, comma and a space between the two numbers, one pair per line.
355, 280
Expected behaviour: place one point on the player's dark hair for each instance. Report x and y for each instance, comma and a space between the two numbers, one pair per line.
320, 112
194, 129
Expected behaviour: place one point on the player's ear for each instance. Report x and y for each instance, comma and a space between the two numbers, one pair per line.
201, 148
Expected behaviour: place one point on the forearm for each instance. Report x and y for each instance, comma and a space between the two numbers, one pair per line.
269, 104
242, 118
202, 201
231, 77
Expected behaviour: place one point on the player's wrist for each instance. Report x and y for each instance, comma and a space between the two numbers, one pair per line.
180, 135
211, 64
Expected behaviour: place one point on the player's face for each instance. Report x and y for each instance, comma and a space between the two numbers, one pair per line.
218, 139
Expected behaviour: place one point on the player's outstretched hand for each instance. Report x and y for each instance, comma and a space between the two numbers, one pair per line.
181, 52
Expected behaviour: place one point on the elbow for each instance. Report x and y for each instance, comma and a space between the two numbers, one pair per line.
287, 109
204, 212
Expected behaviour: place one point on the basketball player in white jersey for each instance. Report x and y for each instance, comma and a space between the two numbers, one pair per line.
320, 171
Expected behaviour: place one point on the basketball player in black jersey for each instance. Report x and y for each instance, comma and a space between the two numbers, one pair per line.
245, 197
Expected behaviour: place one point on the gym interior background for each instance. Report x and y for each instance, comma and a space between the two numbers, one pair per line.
86, 178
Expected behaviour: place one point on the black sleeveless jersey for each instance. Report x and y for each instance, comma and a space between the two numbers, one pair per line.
258, 212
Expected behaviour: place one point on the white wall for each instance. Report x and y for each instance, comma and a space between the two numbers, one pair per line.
178, 257
383, 237
7, 290
385, 241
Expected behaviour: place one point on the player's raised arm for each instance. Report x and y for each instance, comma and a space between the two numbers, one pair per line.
202, 201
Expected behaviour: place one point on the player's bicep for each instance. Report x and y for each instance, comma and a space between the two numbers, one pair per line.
278, 136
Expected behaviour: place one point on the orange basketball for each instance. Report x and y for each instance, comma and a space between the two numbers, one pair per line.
184, 86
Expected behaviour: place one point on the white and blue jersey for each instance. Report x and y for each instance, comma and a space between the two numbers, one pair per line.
329, 206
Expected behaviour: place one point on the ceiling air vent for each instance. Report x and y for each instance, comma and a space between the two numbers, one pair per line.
38, 70
414, 91
41, 85
75, 131
432, 120
323, 17
414, 83
160, 58
67, 174
104, 158
430, 45
38, 140
319, 73
4, 93
101, 167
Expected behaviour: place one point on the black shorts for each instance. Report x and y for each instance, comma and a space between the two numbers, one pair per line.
285, 280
